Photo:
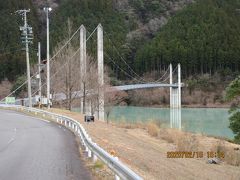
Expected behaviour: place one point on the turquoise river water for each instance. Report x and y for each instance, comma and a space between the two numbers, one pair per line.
209, 121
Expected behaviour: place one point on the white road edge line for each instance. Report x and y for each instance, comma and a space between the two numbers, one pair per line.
43, 120
35, 118
13, 137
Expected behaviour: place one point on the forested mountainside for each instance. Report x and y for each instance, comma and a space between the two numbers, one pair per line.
12, 54
128, 24
203, 35
204, 38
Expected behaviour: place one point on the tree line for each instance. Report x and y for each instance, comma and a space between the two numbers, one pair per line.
204, 38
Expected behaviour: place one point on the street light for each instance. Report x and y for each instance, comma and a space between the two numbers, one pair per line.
47, 10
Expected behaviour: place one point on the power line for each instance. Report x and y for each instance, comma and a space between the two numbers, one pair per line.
59, 69
69, 58
44, 65
51, 59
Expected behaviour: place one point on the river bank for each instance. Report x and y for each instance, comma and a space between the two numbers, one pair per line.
147, 155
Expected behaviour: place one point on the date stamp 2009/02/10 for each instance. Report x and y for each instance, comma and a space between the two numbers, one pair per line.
196, 154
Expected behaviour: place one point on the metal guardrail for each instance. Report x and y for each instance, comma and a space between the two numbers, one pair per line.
93, 150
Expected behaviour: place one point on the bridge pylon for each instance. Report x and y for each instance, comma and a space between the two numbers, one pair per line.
100, 72
175, 92
83, 56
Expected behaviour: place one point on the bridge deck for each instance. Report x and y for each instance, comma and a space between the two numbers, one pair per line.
143, 86
62, 96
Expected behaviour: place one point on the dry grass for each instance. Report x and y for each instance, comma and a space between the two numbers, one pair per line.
183, 141
129, 125
98, 165
231, 156
165, 135
187, 142
152, 129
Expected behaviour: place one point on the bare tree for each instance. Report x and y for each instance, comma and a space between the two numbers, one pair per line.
112, 98
65, 74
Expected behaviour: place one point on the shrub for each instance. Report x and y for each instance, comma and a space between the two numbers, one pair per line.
152, 129
165, 135
98, 165
187, 142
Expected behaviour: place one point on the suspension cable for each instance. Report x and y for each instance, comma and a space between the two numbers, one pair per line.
162, 75
122, 69
124, 59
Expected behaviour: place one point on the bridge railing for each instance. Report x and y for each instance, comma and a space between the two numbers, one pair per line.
93, 150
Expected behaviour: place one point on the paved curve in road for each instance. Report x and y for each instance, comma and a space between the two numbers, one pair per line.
31, 148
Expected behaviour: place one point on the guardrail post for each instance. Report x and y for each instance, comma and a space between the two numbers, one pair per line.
86, 149
89, 153
94, 158
117, 177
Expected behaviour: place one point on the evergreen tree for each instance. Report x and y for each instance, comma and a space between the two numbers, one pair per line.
233, 92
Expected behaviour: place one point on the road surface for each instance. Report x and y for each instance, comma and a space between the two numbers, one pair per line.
31, 148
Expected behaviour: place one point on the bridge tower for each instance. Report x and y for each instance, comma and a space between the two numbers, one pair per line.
175, 100
83, 67
83, 56
175, 92
100, 72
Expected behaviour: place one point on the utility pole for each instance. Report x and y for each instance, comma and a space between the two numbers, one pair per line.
47, 10
27, 36
39, 71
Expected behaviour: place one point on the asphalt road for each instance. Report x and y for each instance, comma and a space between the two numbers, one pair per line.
32, 149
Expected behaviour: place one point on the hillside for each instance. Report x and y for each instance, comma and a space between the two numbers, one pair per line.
149, 34
12, 56
204, 38
128, 23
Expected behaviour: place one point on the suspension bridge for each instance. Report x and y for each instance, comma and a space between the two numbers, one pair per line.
166, 81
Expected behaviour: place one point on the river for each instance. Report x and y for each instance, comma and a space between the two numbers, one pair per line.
209, 121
